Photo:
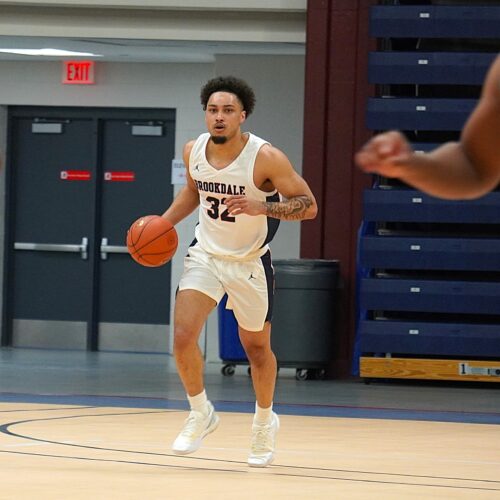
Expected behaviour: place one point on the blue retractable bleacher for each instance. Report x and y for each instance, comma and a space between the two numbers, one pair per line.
428, 268
430, 295
408, 205
443, 339
404, 113
433, 21
463, 68
429, 252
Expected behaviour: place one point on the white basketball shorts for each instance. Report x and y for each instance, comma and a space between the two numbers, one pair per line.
248, 284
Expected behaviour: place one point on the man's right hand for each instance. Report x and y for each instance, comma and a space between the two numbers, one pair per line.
385, 154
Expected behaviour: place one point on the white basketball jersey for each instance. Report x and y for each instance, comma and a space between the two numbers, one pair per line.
219, 233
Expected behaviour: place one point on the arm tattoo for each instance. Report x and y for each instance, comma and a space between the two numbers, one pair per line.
291, 209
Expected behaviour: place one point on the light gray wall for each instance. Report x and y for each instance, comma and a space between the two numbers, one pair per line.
277, 80
278, 117
278, 83
140, 85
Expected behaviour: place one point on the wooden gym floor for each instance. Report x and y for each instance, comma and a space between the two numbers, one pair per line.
79, 426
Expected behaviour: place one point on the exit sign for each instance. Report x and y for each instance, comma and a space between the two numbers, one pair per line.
78, 72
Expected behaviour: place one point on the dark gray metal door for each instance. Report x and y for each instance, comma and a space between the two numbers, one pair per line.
50, 217
134, 304
77, 178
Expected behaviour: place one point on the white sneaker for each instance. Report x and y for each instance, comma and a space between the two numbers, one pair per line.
263, 442
196, 427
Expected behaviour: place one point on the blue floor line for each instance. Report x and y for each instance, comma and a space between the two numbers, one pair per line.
248, 407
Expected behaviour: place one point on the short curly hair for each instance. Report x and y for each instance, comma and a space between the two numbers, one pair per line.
231, 84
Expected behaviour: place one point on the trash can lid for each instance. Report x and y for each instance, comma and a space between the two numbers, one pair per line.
306, 273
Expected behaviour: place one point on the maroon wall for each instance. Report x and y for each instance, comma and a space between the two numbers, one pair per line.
336, 89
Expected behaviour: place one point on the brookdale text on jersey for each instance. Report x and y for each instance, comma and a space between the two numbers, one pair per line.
219, 187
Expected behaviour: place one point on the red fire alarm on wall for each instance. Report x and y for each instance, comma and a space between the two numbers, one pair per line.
78, 72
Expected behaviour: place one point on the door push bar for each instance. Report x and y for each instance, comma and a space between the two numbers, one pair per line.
105, 249
82, 248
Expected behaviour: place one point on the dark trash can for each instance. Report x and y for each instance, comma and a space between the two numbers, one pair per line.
302, 335
304, 314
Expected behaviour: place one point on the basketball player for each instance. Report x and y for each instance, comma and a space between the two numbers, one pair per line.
243, 187
456, 170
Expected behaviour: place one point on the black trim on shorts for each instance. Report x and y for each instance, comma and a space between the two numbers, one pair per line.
268, 269
272, 222
193, 243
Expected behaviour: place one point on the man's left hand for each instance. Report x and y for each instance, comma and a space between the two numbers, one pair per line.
241, 204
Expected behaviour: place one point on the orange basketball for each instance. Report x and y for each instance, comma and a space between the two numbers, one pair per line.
152, 240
